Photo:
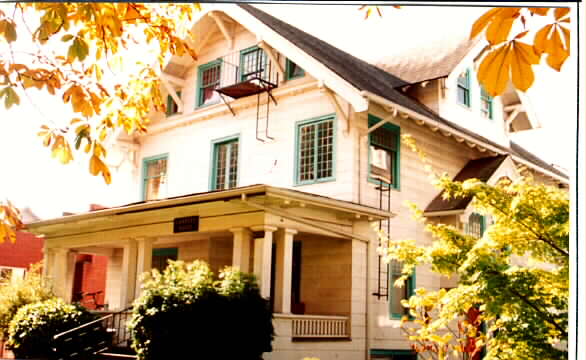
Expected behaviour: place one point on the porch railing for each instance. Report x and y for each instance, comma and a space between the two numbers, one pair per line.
317, 326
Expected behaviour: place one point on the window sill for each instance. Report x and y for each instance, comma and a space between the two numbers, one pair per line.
314, 182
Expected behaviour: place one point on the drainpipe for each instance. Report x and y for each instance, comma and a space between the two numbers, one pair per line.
366, 307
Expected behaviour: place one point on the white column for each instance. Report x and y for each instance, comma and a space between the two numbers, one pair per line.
241, 248
59, 272
128, 280
284, 268
144, 260
262, 259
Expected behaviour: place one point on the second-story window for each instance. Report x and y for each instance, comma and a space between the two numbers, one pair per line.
315, 150
384, 153
208, 81
172, 107
225, 164
464, 88
485, 104
253, 63
155, 177
476, 225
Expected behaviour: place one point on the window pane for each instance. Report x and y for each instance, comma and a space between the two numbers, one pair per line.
325, 138
233, 164
221, 157
397, 294
226, 155
253, 64
294, 70
306, 152
155, 179
381, 164
384, 138
156, 167
463, 79
210, 80
475, 225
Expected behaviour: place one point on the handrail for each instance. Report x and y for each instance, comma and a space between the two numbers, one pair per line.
88, 324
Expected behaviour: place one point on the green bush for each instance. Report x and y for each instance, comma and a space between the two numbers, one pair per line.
14, 295
34, 325
184, 312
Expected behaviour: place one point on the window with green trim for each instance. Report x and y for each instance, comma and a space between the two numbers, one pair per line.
383, 153
172, 107
208, 80
464, 88
315, 151
396, 294
476, 225
154, 177
162, 256
225, 164
485, 103
253, 63
293, 71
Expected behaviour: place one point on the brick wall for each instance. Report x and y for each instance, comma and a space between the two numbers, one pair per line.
27, 250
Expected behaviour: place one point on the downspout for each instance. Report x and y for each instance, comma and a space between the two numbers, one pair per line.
366, 307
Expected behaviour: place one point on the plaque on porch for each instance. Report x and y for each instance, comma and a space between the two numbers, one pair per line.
186, 224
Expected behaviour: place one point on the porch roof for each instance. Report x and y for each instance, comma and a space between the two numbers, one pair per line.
244, 192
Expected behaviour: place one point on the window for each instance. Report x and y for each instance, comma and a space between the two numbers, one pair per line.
154, 177
293, 70
393, 354
172, 107
315, 150
161, 258
485, 104
5, 275
253, 63
225, 163
396, 294
464, 88
208, 81
476, 224
383, 153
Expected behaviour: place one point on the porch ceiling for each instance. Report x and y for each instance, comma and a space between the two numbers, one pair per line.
218, 211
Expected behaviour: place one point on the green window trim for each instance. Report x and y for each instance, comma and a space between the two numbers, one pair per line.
463, 85
297, 151
485, 98
215, 145
396, 162
145, 178
199, 101
172, 107
290, 70
410, 284
264, 59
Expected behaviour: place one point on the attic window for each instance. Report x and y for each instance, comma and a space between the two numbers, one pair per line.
208, 81
464, 88
293, 71
172, 107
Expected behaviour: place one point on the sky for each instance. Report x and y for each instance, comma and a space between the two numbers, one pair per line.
30, 177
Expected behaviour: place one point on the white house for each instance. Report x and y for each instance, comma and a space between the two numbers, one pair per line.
278, 153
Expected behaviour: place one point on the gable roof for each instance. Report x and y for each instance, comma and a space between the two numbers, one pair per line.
428, 64
521, 152
481, 169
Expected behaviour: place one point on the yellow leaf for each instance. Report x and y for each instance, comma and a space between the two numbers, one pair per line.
539, 11
522, 59
559, 13
482, 22
500, 27
539, 43
493, 72
61, 150
556, 54
97, 166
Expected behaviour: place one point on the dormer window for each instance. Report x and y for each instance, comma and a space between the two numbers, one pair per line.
485, 104
464, 88
208, 81
293, 71
172, 107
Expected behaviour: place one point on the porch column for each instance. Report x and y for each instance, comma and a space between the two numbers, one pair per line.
144, 260
262, 259
59, 272
284, 268
128, 279
241, 248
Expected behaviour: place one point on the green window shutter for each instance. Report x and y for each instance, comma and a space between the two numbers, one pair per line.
292, 70
154, 177
225, 164
315, 152
384, 154
208, 79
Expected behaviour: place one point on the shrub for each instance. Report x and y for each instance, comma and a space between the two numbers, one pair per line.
34, 325
14, 295
183, 311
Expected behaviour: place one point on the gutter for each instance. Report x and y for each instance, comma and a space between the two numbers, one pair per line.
433, 123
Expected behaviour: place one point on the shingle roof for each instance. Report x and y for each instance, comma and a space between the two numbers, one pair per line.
428, 63
481, 169
368, 77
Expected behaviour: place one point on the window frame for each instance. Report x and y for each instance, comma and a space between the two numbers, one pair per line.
390, 353
484, 96
396, 185
288, 69
467, 87
410, 284
482, 224
171, 104
296, 150
248, 50
145, 161
200, 70
213, 160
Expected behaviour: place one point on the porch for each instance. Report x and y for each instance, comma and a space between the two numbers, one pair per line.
308, 252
